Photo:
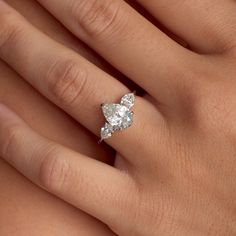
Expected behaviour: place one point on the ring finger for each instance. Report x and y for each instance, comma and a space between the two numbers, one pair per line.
67, 79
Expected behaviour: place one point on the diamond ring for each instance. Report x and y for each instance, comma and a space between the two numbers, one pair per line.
118, 116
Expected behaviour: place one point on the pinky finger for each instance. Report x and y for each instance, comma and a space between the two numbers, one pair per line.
88, 184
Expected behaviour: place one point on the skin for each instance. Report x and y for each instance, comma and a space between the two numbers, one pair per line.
39, 212
185, 186
15, 93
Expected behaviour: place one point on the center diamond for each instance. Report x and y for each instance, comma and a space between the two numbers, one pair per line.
119, 116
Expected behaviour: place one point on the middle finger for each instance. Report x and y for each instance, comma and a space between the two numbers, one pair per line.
67, 79
128, 41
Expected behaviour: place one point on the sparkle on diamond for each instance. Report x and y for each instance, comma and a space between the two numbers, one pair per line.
118, 116
128, 100
106, 131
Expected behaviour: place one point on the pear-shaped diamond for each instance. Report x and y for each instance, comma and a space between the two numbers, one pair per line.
118, 115
128, 100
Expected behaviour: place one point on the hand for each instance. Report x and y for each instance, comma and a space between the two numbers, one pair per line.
48, 120
53, 123
175, 167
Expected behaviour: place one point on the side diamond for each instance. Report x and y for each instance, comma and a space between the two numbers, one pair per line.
127, 120
128, 100
106, 131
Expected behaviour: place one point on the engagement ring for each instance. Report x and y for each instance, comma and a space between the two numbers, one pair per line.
118, 116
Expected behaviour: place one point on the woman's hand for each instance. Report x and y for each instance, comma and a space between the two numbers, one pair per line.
49, 120
175, 167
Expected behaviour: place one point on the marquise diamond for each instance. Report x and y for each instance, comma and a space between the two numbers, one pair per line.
106, 131
128, 100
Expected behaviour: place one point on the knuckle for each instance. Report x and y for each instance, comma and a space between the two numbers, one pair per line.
54, 172
66, 82
97, 17
205, 102
193, 88
10, 30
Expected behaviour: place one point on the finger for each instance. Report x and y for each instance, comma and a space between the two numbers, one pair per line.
94, 187
67, 79
139, 49
207, 25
